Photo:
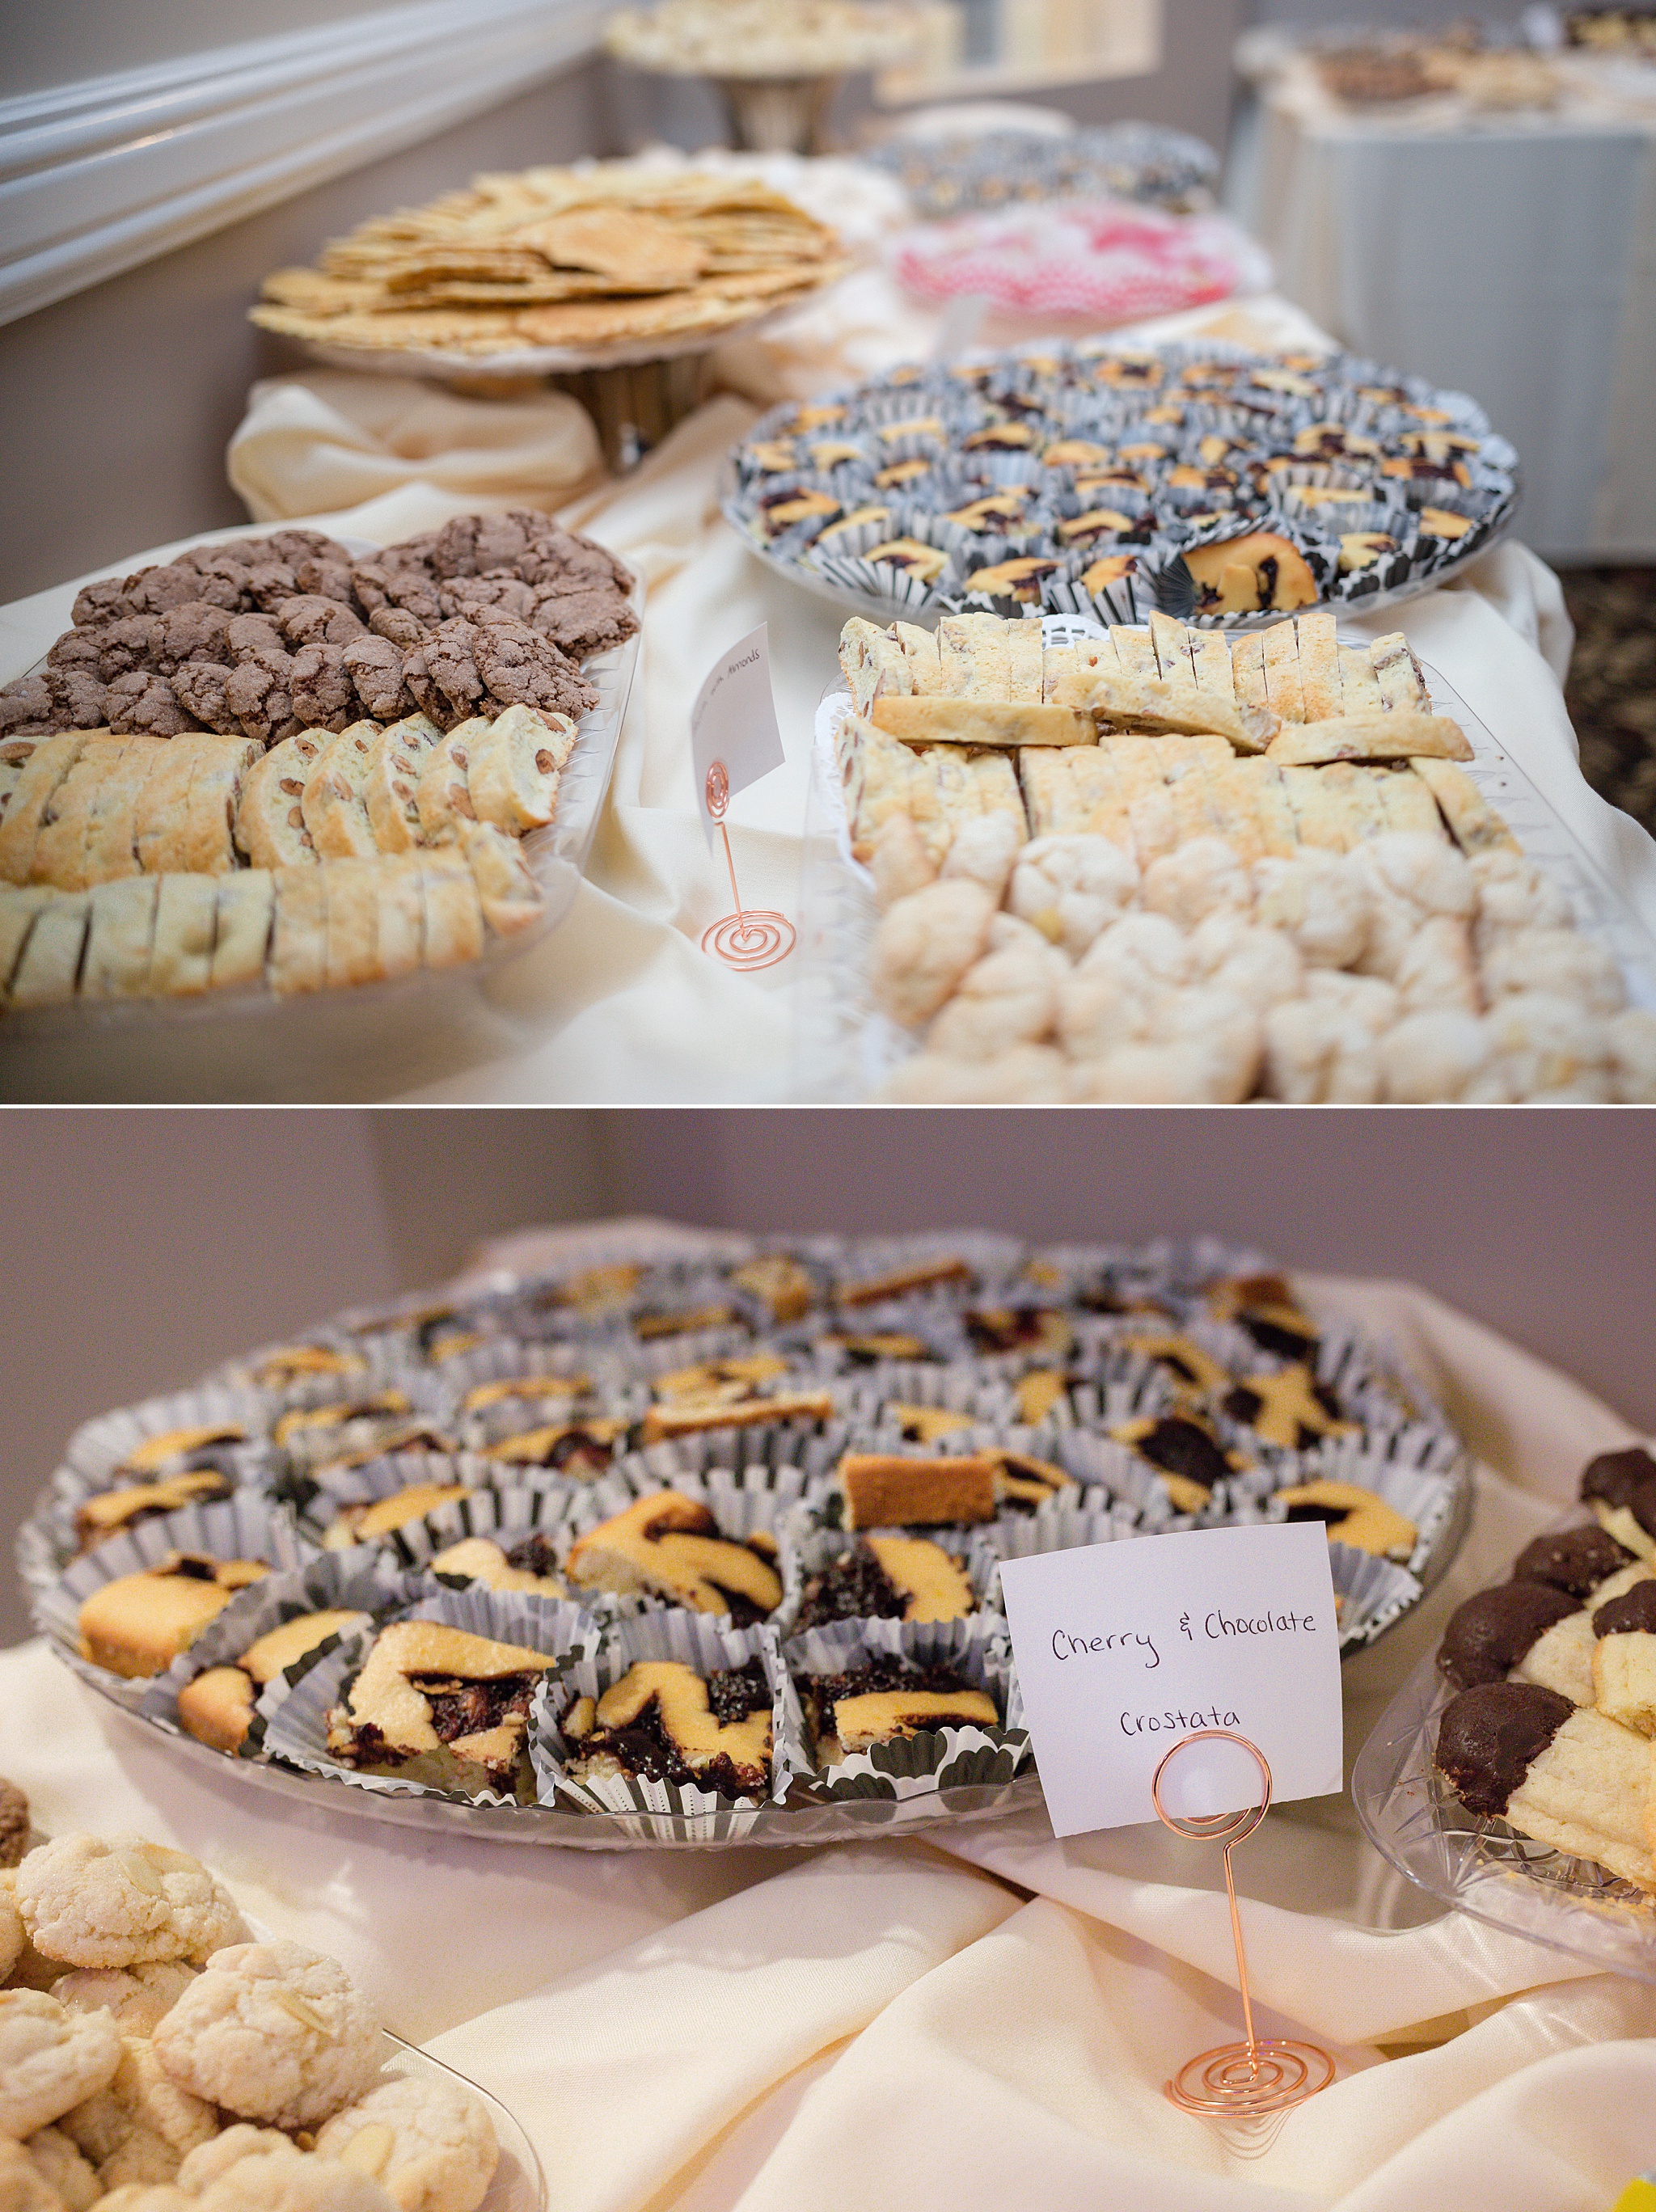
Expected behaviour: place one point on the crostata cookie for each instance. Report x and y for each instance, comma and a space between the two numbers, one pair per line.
670, 1547
440, 1707
663, 1721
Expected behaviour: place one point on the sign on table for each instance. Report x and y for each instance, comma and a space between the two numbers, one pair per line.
733, 726
1124, 1650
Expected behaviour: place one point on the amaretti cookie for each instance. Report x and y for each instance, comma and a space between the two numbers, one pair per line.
122, 1901
138, 1623
50, 2059
217, 1707
438, 1705
272, 2032
670, 1547
665, 1723
889, 1578
1561, 1774
887, 1698
430, 2145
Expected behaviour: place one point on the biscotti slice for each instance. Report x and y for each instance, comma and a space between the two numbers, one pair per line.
1349, 787
510, 898
1230, 799
1403, 734
1319, 665
351, 927
1408, 805
205, 844
452, 911
443, 794
244, 909
1178, 709
919, 646
884, 1489
186, 924
333, 802
872, 661
972, 650
512, 768
269, 819
299, 933
401, 922
883, 779
1280, 653
15, 754
120, 934
1211, 656
1476, 825
44, 770
1398, 673
111, 849
1135, 652
1024, 661
1319, 817
161, 804
1248, 669
1175, 662
1272, 808
59, 854
50, 966
396, 759
973, 784
1359, 688
19, 905
982, 721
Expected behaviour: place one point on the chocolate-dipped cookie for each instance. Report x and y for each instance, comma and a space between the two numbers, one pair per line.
1621, 1488
1561, 1774
1488, 1634
1573, 1559
1624, 1656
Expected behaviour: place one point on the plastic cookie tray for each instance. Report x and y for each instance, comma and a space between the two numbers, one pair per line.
230, 1043
1403, 1451
844, 1050
1478, 1863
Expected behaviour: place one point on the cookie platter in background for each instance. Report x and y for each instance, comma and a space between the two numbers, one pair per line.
708, 1550
1221, 486
990, 169
152, 2041
275, 765
548, 270
1048, 862
1514, 1775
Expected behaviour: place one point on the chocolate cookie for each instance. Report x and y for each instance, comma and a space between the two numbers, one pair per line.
1489, 1633
1613, 1477
1573, 1559
1489, 1737
145, 702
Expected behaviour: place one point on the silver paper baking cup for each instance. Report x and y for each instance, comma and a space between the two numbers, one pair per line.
247, 1525
694, 1641
297, 1732
397, 1471
742, 1508
928, 1763
368, 1581
809, 1548
100, 1447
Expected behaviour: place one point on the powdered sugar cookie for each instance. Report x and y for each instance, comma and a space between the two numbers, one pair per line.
272, 2032
50, 2059
213, 2160
93, 1901
23, 2187
135, 1997
65, 2171
303, 2184
142, 2125
430, 2144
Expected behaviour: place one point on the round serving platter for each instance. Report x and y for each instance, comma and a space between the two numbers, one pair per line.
1401, 1449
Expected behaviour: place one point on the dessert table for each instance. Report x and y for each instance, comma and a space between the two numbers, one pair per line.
1505, 254
986, 2018
620, 1004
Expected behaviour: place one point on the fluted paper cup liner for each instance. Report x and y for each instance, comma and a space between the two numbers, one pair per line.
297, 1733
809, 1548
246, 1525
96, 1453
503, 1517
1129, 1481
375, 1361
932, 1761
367, 1581
1427, 1496
763, 1506
695, 1641
319, 1520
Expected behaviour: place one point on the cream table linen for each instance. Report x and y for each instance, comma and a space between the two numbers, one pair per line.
989, 2024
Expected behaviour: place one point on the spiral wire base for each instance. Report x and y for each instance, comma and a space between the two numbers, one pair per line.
756, 937
1231, 2083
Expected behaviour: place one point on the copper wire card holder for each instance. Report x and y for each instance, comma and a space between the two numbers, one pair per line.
1262, 2074
752, 937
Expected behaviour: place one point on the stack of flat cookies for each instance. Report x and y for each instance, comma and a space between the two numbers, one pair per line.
550, 257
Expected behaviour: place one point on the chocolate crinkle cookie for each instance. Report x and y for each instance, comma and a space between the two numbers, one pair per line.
374, 665
384, 582
583, 622
14, 1824
469, 666
311, 618
26, 706
142, 703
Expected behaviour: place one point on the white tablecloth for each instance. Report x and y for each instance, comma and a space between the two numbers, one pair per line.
982, 2021
1514, 259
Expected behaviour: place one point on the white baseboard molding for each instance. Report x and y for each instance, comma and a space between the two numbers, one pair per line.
98, 176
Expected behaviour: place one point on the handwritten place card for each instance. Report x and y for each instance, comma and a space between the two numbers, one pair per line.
733, 736
1123, 1649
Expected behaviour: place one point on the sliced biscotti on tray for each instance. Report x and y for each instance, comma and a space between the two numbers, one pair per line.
293, 929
